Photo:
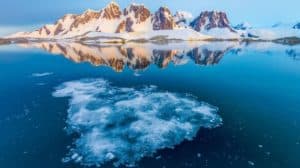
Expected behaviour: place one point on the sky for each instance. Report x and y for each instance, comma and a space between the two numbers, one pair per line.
28, 14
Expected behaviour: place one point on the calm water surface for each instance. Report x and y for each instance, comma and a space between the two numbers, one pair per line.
205, 105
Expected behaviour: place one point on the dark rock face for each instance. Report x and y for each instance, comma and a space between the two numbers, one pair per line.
163, 19
135, 14
140, 13
44, 30
84, 18
58, 29
112, 11
121, 27
125, 26
179, 18
209, 20
128, 25
242, 26
252, 35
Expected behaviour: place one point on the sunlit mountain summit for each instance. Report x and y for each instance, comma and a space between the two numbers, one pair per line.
137, 23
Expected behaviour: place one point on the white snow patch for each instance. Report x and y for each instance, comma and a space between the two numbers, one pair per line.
274, 33
221, 33
187, 34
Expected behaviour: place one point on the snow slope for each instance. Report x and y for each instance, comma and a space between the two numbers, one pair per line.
177, 34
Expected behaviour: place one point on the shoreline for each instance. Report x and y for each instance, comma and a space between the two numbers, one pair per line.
161, 40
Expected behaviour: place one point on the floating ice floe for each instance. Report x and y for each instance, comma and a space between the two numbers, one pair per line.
122, 125
41, 74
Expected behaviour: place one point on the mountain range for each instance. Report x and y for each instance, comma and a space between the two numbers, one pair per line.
137, 23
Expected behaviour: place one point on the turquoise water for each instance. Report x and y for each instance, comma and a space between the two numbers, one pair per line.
201, 105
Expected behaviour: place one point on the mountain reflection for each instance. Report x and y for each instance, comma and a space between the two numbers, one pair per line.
138, 56
294, 54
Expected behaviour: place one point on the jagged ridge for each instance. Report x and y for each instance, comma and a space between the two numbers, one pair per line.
135, 18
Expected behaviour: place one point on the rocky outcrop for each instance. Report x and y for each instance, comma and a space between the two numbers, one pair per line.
243, 26
163, 19
209, 20
122, 27
112, 11
182, 18
136, 17
296, 26
84, 18
139, 12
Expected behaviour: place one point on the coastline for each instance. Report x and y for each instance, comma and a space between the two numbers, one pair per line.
156, 39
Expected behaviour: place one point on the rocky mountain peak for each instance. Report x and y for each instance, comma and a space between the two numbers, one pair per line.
182, 17
163, 19
136, 16
211, 19
85, 18
139, 12
111, 11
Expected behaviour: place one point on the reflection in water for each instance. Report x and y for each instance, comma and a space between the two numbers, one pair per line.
139, 56
293, 54
122, 125
205, 56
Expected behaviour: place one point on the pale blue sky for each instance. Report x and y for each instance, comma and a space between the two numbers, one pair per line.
256, 12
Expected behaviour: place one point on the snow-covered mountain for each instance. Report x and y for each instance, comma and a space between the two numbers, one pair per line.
163, 19
211, 19
137, 23
105, 20
135, 18
215, 24
182, 18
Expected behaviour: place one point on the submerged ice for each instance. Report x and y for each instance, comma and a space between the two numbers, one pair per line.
122, 125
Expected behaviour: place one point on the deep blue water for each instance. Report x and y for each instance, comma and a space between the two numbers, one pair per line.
255, 90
